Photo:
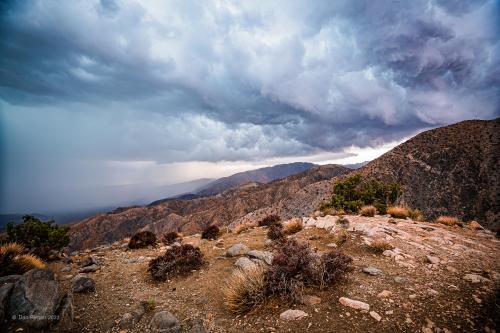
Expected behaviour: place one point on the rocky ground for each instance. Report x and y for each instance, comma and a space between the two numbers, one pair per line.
436, 279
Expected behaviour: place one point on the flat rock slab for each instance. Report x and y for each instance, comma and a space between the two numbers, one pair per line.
237, 250
358, 305
293, 315
372, 270
265, 256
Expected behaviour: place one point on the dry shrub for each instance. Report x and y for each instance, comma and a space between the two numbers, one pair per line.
380, 244
269, 221
448, 220
416, 214
340, 237
368, 211
276, 232
330, 211
243, 227
142, 239
398, 212
211, 232
177, 260
293, 226
245, 289
13, 261
171, 237
295, 265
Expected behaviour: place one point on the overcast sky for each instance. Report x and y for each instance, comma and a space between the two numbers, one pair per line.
112, 92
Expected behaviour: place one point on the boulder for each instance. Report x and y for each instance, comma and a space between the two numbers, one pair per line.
237, 250
35, 296
4, 299
293, 315
83, 284
358, 305
66, 314
164, 322
244, 263
90, 260
265, 256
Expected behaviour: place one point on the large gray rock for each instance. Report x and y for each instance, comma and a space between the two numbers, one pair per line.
66, 314
82, 284
265, 256
372, 270
237, 250
35, 298
164, 322
4, 299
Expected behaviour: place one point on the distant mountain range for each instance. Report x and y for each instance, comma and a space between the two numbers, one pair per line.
451, 170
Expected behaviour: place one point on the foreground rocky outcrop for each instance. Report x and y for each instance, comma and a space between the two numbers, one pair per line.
406, 276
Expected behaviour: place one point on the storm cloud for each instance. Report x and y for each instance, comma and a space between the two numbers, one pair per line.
97, 82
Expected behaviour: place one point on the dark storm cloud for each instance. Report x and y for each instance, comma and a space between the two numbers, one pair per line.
170, 81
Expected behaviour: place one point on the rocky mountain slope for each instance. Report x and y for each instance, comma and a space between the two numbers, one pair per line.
191, 216
450, 170
435, 279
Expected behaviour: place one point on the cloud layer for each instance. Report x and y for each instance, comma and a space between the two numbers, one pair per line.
180, 81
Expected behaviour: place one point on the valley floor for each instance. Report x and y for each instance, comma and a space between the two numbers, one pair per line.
457, 292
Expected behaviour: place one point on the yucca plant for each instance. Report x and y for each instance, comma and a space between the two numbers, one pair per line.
13, 260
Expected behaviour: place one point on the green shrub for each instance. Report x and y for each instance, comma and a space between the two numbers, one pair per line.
351, 194
37, 236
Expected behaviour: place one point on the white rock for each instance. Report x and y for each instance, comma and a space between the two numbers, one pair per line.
358, 305
293, 315
375, 315
388, 253
475, 278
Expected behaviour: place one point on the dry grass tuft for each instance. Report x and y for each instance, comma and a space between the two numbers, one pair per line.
398, 212
416, 215
29, 261
293, 226
368, 211
379, 245
244, 227
13, 261
448, 220
245, 289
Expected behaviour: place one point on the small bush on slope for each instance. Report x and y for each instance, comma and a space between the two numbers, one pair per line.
37, 236
171, 237
142, 239
276, 232
368, 211
293, 226
177, 260
13, 261
351, 194
398, 212
448, 220
269, 221
211, 232
379, 245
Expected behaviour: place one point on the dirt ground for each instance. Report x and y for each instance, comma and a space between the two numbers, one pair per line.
424, 295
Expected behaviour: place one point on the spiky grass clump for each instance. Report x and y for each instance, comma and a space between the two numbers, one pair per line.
398, 212
379, 245
171, 237
416, 214
245, 289
244, 227
176, 261
269, 221
13, 261
211, 232
293, 226
368, 211
448, 220
142, 239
